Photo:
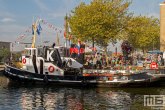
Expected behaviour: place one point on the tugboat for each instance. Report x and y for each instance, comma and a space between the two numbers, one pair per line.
46, 66
40, 71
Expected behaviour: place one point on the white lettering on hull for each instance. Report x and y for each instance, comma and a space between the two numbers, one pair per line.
49, 56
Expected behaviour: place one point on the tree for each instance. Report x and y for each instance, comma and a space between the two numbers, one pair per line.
5, 53
101, 21
143, 32
16, 56
126, 49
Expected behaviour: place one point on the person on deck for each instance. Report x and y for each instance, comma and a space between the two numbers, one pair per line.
98, 60
94, 62
53, 45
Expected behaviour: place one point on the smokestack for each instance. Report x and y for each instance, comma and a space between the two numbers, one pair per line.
162, 26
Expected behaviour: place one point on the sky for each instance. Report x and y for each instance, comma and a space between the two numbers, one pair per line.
16, 16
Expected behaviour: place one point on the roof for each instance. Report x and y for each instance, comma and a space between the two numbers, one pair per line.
4, 42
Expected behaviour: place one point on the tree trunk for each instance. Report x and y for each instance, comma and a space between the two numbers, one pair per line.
106, 55
93, 43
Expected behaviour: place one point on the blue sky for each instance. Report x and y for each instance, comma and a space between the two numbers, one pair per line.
17, 15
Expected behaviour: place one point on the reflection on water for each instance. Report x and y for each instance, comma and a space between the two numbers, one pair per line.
18, 97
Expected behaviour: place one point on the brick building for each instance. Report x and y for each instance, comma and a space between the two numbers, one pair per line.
162, 26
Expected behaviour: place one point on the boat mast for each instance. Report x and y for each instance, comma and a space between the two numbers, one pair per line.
34, 26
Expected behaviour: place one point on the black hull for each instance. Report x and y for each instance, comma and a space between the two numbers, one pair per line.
24, 77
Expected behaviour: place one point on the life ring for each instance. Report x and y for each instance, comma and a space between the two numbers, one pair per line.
51, 69
24, 60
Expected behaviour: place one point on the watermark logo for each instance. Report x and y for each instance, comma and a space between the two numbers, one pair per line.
155, 101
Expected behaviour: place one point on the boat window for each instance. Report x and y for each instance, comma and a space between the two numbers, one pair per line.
64, 52
34, 52
56, 57
40, 52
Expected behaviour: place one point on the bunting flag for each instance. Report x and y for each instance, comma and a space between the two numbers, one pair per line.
46, 41
51, 26
30, 30
21, 37
64, 34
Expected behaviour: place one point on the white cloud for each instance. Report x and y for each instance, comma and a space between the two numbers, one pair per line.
6, 20
4, 11
6, 14
10, 32
41, 5
11, 28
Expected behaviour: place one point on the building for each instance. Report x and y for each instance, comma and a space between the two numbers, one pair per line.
6, 45
162, 26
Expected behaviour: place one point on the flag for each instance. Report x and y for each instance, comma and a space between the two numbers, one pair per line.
78, 47
79, 43
39, 28
46, 41
64, 34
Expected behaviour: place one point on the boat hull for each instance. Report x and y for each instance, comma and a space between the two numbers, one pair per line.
25, 77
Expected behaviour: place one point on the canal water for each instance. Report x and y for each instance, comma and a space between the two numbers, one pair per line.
31, 97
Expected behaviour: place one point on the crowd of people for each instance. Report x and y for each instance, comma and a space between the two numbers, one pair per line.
99, 60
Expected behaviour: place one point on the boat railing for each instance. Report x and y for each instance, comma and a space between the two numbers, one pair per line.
155, 71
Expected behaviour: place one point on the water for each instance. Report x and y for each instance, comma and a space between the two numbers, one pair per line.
30, 97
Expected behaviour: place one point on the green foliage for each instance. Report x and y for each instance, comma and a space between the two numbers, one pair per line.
102, 20
4, 54
143, 32
106, 21
17, 56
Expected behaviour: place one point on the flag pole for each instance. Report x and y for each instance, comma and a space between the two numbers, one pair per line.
66, 31
57, 39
